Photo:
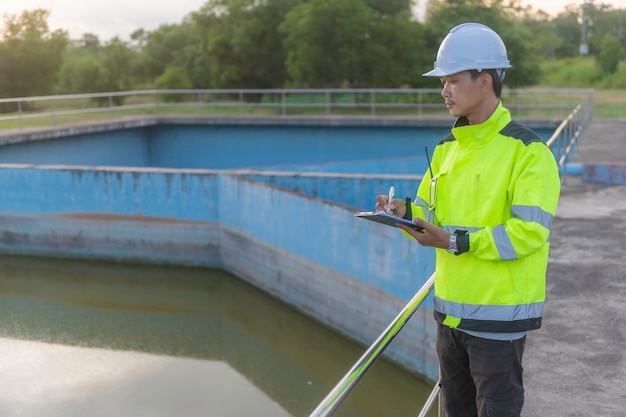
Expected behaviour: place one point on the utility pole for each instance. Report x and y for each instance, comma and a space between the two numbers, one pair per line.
584, 48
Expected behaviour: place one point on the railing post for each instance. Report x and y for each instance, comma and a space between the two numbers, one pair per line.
19, 114
420, 98
54, 114
328, 102
283, 103
373, 103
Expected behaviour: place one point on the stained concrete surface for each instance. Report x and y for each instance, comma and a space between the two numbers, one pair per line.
575, 365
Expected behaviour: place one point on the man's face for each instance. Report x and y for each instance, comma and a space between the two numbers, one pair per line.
461, 94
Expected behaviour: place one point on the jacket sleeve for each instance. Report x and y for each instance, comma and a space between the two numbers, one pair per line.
533, 195
419, 206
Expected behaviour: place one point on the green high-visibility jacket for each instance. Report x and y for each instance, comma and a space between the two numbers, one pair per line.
497, 186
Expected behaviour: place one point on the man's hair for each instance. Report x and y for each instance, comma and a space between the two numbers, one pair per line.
497, 81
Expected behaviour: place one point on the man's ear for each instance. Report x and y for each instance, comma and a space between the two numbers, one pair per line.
486, 82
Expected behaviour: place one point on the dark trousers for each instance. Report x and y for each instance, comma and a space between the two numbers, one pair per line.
480, 377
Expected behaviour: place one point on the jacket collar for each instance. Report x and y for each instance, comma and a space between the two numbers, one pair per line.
482, 133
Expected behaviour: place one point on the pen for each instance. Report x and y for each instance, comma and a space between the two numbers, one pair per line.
391, 193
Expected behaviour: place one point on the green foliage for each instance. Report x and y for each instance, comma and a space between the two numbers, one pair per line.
350, 44
116, 64
610, 53
579, 72
613, 81
174, 78
568, 30
81, 73
163, 47
241, 41
389, 7
31, 55
269, 44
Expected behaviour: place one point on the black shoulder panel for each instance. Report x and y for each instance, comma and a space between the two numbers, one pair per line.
517, 131
449, 138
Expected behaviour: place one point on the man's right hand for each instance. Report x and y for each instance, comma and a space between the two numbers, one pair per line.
397, 207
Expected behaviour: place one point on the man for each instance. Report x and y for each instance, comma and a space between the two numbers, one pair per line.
486, 203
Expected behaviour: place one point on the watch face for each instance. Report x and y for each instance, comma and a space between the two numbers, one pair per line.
453, 247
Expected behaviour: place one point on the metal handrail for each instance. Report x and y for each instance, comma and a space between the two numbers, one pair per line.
565, 139
412, 102
430, 401
347, 383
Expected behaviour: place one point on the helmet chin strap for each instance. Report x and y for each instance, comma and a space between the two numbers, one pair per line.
501, 73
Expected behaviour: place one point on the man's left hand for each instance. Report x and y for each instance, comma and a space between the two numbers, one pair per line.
432, 235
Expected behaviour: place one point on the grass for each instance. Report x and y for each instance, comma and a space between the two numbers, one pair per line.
609, 104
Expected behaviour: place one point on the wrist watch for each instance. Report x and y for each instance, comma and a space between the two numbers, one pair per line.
453, 248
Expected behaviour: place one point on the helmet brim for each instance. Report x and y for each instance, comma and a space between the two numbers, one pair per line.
437, 72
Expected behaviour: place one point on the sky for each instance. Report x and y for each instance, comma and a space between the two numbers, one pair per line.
109, 18
106, 18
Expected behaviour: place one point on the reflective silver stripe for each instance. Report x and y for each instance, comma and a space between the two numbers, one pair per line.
503, 244
452, 229
533, 214
421, 203
489, 312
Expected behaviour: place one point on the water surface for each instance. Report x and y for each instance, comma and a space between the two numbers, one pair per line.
99, 339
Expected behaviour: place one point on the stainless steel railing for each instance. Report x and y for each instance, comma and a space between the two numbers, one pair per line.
336, 396
27, 112
565, 139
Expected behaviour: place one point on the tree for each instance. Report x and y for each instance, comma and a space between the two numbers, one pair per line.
31, 54
324, 42
178, 45
546, 40
116, 64
242, 42
81, 73
567, 28
91, 42
163, 47
606, 22
389, 7
174, 78
349, 43
610, 53
394, 54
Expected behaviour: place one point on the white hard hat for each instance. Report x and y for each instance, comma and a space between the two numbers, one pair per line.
470, 46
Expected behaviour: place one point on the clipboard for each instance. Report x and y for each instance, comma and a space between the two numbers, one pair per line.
387, 219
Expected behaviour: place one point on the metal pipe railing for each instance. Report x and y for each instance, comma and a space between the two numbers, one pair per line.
354, 375
430, 401
533, 103
565, 139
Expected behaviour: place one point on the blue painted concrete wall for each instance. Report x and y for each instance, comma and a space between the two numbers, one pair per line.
609, 173
125, 147
227, 147
231, 146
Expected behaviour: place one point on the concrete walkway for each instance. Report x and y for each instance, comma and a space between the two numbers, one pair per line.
575, 365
